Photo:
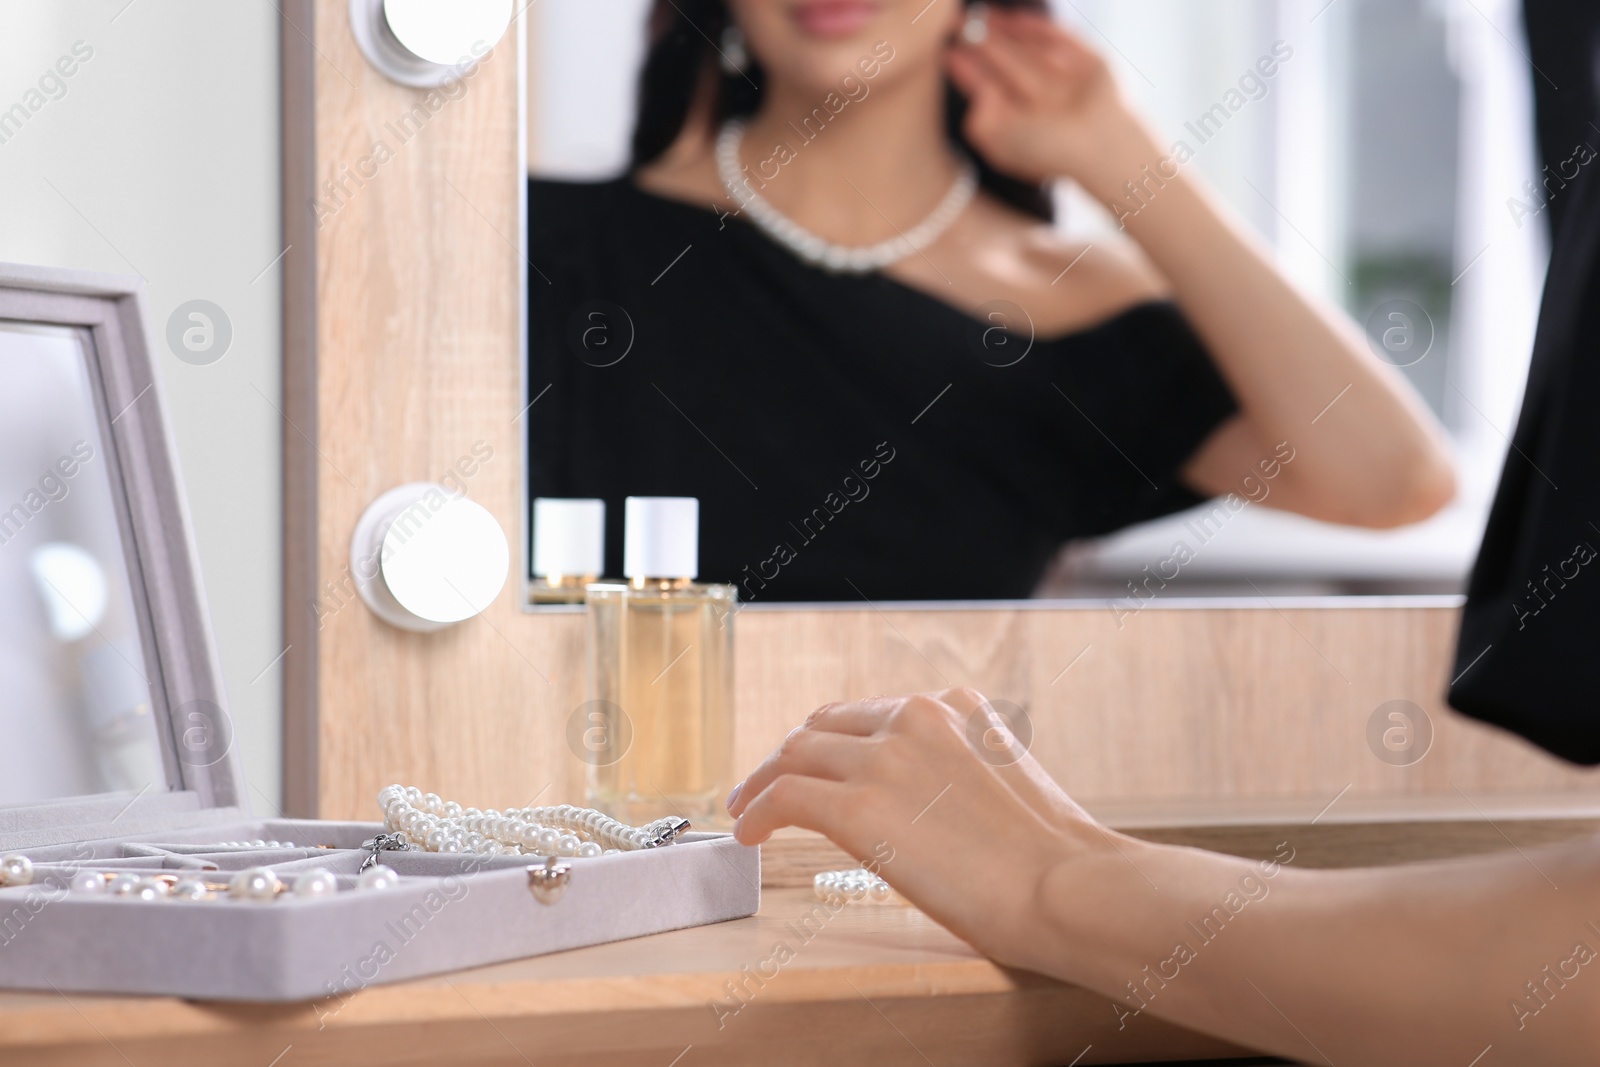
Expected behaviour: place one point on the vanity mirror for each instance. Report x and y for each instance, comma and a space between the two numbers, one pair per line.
772, 269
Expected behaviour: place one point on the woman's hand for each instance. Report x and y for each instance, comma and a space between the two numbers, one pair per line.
936, 790
1044, 105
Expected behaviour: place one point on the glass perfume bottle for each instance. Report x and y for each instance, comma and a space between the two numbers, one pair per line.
569, 549
659, 731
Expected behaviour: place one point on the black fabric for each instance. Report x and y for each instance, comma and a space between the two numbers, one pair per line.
1563, 36
771, 390
1528, 658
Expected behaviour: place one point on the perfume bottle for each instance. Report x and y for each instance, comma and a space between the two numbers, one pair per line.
569, 549
659, 731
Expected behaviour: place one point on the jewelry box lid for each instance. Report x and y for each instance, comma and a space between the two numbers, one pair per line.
114, 717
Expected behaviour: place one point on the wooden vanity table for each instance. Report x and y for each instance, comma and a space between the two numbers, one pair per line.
876, 984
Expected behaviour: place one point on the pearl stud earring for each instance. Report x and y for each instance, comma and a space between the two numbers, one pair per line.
975, 30
735, 55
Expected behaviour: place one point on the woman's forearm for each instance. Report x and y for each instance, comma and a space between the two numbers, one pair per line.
1367, 450
1420, 964
1043, 104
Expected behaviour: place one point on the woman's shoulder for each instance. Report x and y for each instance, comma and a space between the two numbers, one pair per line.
1066, 283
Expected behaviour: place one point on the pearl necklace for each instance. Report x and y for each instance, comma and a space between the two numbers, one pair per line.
256, 884
857, 883
15, 870
418, 820
841, 259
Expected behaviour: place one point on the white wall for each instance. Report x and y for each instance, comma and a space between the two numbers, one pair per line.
589, 52
162, 159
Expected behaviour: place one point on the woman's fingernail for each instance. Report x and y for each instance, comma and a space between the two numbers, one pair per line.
733, 796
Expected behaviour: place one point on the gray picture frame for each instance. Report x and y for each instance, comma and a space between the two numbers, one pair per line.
109, 313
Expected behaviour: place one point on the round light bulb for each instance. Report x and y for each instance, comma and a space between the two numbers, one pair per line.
448, 33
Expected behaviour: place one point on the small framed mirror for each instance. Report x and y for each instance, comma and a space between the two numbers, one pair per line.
110, 680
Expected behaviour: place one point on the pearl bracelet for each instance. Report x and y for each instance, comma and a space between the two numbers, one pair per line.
857, 883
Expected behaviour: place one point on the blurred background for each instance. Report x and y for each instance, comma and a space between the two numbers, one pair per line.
160, 156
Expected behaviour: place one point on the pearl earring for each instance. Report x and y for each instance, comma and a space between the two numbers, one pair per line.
976, 29
735, 56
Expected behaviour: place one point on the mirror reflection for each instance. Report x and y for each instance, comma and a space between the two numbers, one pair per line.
981, 301
73, 689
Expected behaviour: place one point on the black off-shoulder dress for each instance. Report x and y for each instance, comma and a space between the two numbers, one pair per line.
848, 436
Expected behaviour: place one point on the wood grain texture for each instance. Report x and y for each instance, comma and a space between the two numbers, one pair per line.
1175, 704
414, 359
416, 364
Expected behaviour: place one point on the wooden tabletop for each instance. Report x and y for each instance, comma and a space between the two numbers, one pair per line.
872, 984
878, 984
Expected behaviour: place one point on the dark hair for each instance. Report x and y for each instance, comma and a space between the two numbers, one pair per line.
682, 59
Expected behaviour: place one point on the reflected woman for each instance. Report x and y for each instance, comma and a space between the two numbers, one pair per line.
827, 300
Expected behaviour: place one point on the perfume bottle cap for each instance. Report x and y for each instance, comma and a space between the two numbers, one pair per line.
569, 537
661, 537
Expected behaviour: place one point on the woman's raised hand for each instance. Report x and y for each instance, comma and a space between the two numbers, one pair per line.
936, 793
1044, 105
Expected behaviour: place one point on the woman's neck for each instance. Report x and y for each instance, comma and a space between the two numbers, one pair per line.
852, 170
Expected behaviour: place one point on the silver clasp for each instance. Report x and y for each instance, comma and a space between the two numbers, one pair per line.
666, 830
548, 882
381, 843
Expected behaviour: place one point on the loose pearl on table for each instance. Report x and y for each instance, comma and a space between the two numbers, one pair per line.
379, 877
316, 883
91, 882
255, 884
856, 883
15, 870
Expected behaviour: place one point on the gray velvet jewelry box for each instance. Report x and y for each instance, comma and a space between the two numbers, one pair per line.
448, 911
